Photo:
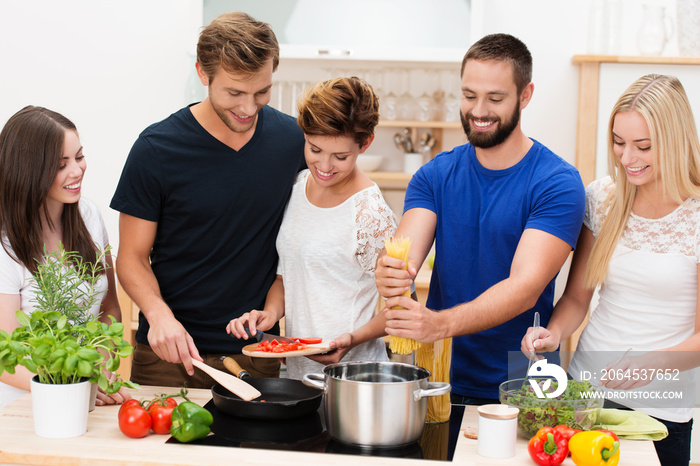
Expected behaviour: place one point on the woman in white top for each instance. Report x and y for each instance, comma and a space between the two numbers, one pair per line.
641, 244
333, 230
41, 173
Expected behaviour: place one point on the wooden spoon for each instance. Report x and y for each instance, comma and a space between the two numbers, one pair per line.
233, 384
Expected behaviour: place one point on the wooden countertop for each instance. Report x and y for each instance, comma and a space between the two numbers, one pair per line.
104, 444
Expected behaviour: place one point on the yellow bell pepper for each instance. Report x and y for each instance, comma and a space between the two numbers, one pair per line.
594, 448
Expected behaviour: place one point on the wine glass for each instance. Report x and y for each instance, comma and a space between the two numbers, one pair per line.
426, 103
406, 105
451, 104
388, 107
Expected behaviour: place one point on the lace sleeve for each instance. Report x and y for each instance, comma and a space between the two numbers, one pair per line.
596, 194
374, 220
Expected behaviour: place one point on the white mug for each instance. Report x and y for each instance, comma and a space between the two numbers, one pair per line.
412, 162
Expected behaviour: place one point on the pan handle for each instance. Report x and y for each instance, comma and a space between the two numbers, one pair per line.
434, 389
315, 380
235, 368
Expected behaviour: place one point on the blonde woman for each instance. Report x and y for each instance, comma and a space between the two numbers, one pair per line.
641, 244
332, 233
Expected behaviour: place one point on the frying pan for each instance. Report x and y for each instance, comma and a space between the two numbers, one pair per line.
284, 398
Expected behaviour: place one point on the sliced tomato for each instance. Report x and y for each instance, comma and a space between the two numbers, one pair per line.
309, 341
275, 346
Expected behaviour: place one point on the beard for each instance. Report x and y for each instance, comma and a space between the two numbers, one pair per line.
486, 140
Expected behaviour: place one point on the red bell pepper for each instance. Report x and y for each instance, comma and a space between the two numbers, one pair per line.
566, 431
548, 447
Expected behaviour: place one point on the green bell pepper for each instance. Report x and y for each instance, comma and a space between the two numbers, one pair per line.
190, 422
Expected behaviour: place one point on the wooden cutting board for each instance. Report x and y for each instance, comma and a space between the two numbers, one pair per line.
318, 348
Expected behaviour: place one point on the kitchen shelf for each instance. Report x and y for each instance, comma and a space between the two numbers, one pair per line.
420, 124
390, 180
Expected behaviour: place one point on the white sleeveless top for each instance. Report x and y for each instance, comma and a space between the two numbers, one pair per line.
648, 299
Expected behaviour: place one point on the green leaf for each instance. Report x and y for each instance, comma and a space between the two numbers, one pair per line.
17, 347
56, 365
58, 354
69, 365
23, 319
85, 369
29, 364
103, 383
62, 321
42, 351
89, 354
112, 364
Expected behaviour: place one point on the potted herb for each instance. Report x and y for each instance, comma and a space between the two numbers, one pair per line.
63, 344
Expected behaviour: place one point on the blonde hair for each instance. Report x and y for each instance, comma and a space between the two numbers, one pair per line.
663, 103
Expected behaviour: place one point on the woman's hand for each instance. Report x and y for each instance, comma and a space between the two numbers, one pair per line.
115, 398
255, 320
547, 341
340, 345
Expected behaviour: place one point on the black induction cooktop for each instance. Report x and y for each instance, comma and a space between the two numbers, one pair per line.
308, 434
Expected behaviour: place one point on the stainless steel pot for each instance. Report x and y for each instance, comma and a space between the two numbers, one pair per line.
375, 404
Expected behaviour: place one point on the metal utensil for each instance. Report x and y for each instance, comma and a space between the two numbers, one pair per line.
400, 141
535, 335
408, 140
262, 336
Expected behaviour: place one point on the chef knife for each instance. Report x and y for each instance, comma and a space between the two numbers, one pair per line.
261, 336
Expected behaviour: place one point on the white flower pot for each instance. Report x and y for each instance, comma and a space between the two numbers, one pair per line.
60, 410
93, 396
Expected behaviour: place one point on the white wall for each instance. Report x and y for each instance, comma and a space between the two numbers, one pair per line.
111, 67
116, 67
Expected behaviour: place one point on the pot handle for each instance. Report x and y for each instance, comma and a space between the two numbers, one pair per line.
315, 380
434, 389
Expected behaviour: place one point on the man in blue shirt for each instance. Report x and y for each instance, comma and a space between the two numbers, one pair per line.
504, 213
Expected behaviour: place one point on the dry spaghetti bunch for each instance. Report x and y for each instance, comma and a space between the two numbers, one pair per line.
398, 248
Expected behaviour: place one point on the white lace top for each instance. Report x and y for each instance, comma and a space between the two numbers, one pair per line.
327, 261
648, 299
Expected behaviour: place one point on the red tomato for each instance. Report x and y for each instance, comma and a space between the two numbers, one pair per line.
127, 403
310, 341
275, 346
160, 412
134, 420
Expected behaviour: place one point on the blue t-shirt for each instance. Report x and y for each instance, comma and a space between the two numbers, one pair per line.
218, 212
481, 215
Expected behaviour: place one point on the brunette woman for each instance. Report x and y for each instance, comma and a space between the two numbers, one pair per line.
41, 173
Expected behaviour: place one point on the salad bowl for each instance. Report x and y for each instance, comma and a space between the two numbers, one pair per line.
578, 406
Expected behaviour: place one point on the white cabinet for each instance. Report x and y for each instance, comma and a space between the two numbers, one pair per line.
387, 30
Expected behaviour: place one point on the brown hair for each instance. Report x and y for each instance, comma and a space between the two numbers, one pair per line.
31, 148
237, 43
662, 102
506, 48
339, 107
